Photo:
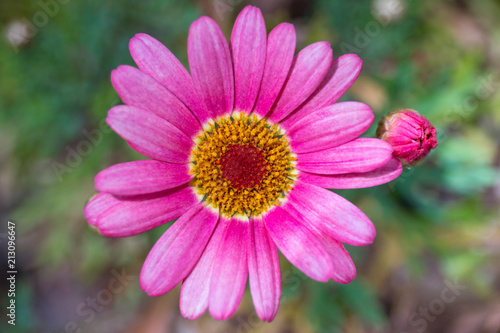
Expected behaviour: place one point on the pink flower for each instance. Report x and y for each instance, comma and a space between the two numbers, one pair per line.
410, 134
240, 152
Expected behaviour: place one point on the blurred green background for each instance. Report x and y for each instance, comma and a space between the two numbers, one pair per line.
434, 266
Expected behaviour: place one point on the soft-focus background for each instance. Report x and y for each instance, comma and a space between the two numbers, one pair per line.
435, 264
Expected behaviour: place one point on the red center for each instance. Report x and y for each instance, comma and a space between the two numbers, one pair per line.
243, 165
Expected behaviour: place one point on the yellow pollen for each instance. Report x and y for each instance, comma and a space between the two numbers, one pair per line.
242, 165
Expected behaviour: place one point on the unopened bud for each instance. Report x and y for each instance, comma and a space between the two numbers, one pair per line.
410, 134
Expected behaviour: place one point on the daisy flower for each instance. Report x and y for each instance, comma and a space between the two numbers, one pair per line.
240, 152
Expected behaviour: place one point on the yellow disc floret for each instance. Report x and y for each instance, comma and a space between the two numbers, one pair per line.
242, 165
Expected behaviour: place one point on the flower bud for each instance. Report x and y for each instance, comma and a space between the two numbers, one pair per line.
410, 134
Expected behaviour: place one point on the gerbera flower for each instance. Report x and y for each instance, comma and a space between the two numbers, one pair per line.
240, 152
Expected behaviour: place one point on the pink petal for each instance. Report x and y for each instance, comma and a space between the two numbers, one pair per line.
155, 59
342, 74
196, 287
142, 91
230, 272
248, 46
391, 170
280, 50
134, 215
330, 127
344, 270
329, 214
308, 70
211, 66
150, 135
298, 244
176, 253
402, 141
264, 269
141, 177
359, 155
98, 205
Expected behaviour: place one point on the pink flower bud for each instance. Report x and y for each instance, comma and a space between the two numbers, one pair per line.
410, 134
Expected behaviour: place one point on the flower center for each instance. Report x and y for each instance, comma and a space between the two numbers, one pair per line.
242, 165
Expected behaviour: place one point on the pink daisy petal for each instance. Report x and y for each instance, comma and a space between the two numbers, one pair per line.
134, 215
359, 155
264, 271
389, 171
176, 253
342, 74
150, 135
280, 50
308, 70
402, 141
329, 214
196, 287
344, 270
299, 244
98, 205
155, 59
141, 177
230, 271
330, 127
142, 91
248, 46
211, 66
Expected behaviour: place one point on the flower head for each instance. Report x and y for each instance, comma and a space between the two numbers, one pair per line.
241, 150
410, 134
